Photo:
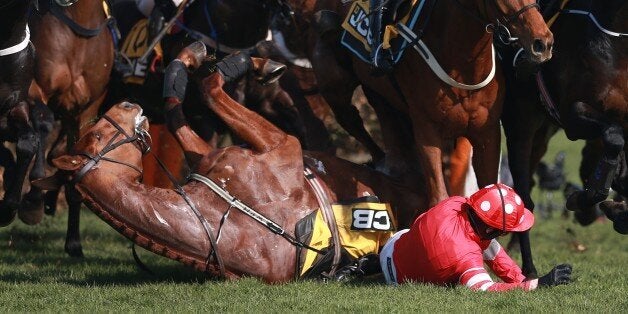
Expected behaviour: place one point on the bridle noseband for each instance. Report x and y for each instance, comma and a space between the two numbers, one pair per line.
139, 138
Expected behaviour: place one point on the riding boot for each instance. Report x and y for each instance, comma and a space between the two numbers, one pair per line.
380, 58
162, 12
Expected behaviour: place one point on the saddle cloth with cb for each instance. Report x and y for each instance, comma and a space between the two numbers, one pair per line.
364, 225
356, 35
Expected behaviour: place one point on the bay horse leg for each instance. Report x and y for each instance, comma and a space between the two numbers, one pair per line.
337, 85
43, 123
585, 122
459, 166
262, 135
26, 147
430, 143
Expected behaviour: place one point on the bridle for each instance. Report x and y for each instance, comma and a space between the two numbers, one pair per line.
500, 26
140, 139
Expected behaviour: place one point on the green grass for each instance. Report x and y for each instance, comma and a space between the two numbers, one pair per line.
36, 275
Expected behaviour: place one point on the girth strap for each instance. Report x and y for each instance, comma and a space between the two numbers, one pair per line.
263, 220
328, 215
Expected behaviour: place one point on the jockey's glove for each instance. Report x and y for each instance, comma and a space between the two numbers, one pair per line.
559, 275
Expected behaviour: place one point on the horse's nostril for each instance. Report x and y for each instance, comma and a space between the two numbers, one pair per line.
538, 46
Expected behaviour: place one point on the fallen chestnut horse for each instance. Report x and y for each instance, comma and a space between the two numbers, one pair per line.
203, 223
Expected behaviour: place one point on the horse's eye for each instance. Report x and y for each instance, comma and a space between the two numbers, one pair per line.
97, 135
126, 105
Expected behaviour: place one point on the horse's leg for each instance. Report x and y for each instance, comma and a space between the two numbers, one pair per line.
401, 161
584, 122
459, 166
33, 201
258, 132
27, 144
429, 144
337, 85
73, 237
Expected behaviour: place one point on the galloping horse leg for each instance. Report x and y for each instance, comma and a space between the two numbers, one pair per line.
337, 85
401, 161
584, 122
43, 123
27, 144
430, 144
73, 197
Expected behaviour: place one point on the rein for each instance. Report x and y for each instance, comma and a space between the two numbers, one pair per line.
19, 47
145, 148
236, 203
58, 11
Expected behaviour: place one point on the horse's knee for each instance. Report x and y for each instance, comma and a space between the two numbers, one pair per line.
584, 122
27, 144
613, 137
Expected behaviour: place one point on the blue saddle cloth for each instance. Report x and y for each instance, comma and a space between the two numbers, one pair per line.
356, 36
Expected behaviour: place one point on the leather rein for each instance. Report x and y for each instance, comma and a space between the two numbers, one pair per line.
58, 11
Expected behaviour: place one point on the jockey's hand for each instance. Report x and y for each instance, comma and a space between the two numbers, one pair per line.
559, 275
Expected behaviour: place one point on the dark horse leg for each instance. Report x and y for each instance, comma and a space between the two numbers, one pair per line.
27, 145
528, 131
336, 85
584, 122
32, 203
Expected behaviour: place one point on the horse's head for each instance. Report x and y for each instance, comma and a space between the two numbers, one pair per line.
116, 142
521, 21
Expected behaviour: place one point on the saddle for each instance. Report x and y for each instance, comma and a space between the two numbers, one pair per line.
355, 27
364, 225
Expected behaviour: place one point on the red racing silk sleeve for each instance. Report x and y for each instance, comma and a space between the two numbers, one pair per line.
478, 279
502, 265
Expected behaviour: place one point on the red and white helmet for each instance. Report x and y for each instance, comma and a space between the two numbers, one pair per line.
504, 212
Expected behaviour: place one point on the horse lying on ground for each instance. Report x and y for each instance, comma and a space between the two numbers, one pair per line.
584, 90
198, 223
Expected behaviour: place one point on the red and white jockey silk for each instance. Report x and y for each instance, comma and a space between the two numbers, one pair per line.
442, 248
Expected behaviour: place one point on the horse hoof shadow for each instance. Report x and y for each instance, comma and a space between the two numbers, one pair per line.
617, 212
7, 213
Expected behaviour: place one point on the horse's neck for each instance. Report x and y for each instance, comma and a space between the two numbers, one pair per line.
87, 13
159, 214
456, 39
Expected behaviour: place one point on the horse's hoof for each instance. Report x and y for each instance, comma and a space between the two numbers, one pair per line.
32, 210
587, 215
575, 201
7, 214
617, 212
74, 250
50, 202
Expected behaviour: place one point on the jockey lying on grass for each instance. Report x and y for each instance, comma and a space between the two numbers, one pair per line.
451, 241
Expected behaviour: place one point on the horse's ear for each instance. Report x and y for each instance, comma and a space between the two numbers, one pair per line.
51, 183
67, 162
